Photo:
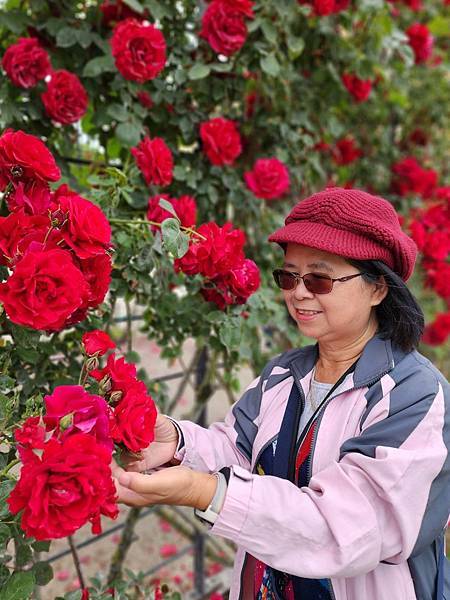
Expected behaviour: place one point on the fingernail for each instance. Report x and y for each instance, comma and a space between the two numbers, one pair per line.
124, 479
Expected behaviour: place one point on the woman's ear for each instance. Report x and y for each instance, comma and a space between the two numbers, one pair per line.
379, 290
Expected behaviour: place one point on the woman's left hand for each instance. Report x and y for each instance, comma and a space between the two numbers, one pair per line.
175, 485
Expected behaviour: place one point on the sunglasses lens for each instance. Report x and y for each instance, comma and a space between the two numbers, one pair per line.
318, 284
284, 279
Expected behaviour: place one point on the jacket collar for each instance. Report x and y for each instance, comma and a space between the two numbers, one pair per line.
376, 360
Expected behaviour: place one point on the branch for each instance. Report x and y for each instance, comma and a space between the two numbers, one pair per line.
126, 539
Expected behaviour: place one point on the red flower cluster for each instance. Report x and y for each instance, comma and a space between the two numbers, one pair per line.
97, 343
139, 50
410, 177
359, 88
221, 141
346, 151
133, 417
223, 25
322, 8
116, 10
218, 254
185, 208
437, 332
65, 480
55, 243
65, 99
155, 161
268, 179
430, 230
26, 62
421, 41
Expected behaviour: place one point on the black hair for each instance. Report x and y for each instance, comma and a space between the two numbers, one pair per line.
399, 315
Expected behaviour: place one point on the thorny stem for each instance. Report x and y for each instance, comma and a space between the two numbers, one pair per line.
4, 472
156, 224
76, 561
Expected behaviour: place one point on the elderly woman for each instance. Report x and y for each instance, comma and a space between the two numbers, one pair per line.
331, 473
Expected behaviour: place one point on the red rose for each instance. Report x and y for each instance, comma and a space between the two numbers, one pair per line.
323, 7
218, 253
68, 486
185, 208
18, 230
33, 196
139, 50
117, 11
97, 342
155, 161
418, 137
24, 157
133, 419
223, 27
70, 410
421, 41
235, 287
65, 99
44, 290
121, 374
359, 88
30, 436
346, 152
411, 177
244, 7
221, 141
431, 232
97, 273
437, 332
269, 178
145, 99
26, 62
438, 277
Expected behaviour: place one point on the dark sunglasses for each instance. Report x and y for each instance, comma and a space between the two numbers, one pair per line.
316, 283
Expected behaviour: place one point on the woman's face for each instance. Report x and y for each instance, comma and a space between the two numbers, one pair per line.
344, 313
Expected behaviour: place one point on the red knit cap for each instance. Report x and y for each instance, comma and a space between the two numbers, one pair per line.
353, 224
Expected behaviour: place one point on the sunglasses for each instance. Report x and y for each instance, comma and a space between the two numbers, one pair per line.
316, 283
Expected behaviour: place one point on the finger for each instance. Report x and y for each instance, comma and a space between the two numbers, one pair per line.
137, 482
128, 497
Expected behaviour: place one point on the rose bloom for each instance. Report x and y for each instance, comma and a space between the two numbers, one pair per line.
438, 277
431, 232
24, 157
18, 230
155, 161
26, 62
65, 99
83, 413
68, 486
145, 99
221, 251
359, 88
410, 177
117, 10
223, 27
139, 50
221, 141
133, 419
30, 435
418, 137
97, 273
97, 342
346, 151
235, 287
33, 196
121, 374
185, 208
44, 290
268, 179
86, 229
421, 41
437, 332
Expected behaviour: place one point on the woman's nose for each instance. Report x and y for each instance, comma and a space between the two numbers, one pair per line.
300, 291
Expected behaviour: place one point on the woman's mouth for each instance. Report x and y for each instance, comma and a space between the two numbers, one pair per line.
306, 315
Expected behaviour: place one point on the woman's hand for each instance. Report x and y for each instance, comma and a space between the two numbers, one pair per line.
159, 452
175, 485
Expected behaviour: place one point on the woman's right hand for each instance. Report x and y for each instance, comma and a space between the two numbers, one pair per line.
159, 452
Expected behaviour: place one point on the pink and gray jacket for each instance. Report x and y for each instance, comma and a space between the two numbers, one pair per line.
371, 519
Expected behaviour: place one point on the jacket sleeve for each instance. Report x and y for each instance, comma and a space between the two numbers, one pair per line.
224, 443
386, 496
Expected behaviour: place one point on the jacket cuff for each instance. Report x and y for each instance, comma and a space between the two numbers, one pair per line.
180, 451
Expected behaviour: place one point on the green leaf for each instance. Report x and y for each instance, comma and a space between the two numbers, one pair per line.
157, 9
269, 31
5, 535
27, 338
43, 572
129, 133
41, 546
199, 71
98, 65
163, 203
18, 587
117, 112
84, 38
134, 5
179, 173
295, 46
175, 241
13, 20
230, 333
5, 489
66, 37
440, 26
23, 555
270, 65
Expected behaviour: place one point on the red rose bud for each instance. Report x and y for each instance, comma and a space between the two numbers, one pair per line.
139, 50
359, 88
218, 253
24, 157
185, 208
44, 291
221, 141
67, 487
145, 99
117, 10
421, 41
121, 374
268, 179
26, 62
223, 25
154, 160
97, 342
65, 99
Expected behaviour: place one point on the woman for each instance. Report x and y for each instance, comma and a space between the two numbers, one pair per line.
351, 434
